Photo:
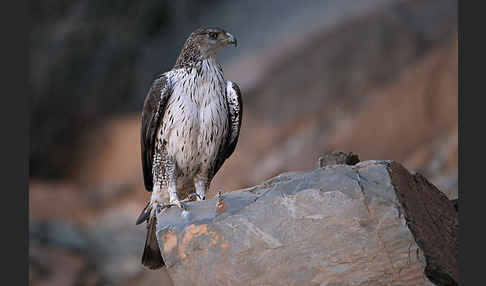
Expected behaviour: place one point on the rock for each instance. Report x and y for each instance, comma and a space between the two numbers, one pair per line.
432, 219
338, 158
364, 224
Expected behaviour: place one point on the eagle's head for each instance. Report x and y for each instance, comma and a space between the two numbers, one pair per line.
204, 43
210, 40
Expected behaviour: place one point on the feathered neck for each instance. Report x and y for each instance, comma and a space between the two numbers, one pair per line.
190, 55
205, 67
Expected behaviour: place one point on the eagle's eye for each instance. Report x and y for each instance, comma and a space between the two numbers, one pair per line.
213, 35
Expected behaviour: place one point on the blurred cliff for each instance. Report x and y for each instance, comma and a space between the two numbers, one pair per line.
378, 78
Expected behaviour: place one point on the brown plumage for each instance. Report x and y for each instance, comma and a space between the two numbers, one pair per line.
191, 121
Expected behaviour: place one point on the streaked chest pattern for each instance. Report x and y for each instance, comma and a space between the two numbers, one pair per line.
196, 120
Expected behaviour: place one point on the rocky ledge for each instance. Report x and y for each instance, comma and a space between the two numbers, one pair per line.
371, 223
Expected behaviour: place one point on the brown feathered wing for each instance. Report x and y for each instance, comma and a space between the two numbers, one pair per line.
152, 113
235, 108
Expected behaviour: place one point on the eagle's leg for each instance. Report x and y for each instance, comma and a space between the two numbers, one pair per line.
173, 197
201, 185
157, 199
170, 180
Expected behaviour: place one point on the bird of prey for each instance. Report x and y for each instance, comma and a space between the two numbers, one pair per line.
191, 122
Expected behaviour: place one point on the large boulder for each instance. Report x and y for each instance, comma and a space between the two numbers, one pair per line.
372, 223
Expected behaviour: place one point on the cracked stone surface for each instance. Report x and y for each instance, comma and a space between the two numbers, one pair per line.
336, 225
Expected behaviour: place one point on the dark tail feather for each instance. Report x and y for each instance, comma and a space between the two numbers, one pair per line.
151, 257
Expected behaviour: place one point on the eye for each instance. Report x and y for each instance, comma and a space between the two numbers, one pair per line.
213, 35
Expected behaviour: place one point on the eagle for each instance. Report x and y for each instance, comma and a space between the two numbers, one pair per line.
190, 125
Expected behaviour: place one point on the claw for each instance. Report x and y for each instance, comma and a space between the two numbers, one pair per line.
147, 211
177, 203
180, 204
161, 208
190, 197
144, 216
200, 198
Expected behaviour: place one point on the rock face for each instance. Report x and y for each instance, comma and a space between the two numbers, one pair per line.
366, 224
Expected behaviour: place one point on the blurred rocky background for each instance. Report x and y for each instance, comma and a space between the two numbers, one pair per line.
374, 77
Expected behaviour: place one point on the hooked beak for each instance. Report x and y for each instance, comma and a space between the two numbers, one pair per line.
230, 40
